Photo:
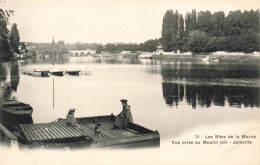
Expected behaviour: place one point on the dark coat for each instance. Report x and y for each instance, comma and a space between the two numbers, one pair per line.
124, 118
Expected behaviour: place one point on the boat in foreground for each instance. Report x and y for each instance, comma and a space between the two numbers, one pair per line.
15, 107
13, 112
59, 134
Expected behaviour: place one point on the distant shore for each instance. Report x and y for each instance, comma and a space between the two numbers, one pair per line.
243, 59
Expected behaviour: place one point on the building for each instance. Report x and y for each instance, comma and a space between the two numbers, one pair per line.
82, 52
159, 48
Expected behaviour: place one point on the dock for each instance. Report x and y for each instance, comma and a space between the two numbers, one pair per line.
59, 133
73, 72
36, 73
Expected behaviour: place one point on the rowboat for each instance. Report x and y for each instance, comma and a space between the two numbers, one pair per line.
14, 112
16, 108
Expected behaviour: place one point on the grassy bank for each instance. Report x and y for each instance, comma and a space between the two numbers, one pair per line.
243, 59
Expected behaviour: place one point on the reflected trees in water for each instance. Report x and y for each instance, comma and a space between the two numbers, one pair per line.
205, 96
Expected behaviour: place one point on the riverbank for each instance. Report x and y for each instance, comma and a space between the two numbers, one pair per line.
241, 59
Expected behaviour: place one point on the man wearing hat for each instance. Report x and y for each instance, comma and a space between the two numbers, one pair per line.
71, 118
125, 117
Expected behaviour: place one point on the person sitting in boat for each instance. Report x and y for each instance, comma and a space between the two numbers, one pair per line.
125, 117
71, 118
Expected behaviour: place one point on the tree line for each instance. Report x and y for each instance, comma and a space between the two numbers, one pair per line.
197, 32
9, 40
147, 46
209, 32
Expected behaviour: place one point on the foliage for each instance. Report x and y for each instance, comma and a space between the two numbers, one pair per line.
5, 51
15, 39
207, 32
99, 49
197, 41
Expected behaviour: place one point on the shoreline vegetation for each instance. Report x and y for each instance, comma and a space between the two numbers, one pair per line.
192, 37
224, 59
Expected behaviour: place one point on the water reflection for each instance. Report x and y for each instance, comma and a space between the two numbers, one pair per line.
205, 96
15, 76
57, 59
105, 60
9, 79
204, 85
197, 70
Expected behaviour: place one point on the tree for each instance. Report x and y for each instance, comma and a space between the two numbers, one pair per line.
61, 47
197, 41
5, 51
110, 48
217, 20
181, 27
170, 30
15, 39
149, 46
166, 30
204, 21
99, 49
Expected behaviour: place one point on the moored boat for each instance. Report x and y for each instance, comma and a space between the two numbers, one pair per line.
14, 112
73, 72
44, 73
56, 72
59, 134
16, 107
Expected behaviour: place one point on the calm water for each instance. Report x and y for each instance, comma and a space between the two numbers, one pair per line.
170, 97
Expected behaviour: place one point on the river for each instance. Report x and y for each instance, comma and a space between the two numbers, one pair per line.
178, 99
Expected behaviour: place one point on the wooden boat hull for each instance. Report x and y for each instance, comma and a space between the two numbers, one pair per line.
57, 73
13, 112
73, 72
59, 133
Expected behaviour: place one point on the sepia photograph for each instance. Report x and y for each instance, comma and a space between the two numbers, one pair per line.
129, 82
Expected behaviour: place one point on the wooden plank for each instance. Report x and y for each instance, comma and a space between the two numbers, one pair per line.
25, 132
125, 133
29, 131
64, 129
118, 132
108, 134
60, 131
56, 133
69, 128
107, 125
88, 130
44, 131
41, 132
73, 130
47, 130
51, 132
35, 132
131, 130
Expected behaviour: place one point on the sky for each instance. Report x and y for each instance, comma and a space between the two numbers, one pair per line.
104, 21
